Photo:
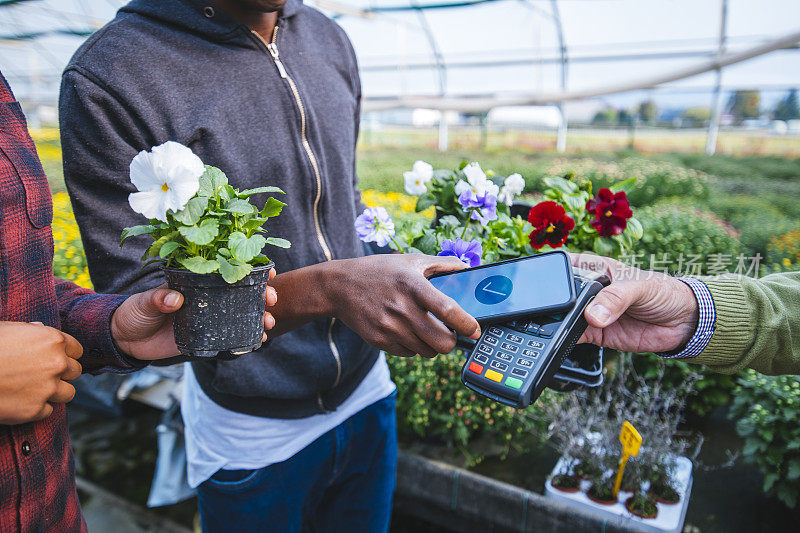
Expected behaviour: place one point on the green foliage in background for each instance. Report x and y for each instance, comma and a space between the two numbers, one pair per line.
756, 219
753, 169
766, 411
655, 179
674, 234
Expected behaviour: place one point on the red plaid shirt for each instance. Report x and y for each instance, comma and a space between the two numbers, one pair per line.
37, 485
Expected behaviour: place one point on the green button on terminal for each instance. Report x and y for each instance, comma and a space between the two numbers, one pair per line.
514, 383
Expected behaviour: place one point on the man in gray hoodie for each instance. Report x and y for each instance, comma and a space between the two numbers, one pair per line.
300, 434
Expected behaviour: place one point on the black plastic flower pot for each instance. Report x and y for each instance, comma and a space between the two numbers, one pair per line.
217, 316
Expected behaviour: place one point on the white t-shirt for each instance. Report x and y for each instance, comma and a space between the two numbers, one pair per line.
218, 438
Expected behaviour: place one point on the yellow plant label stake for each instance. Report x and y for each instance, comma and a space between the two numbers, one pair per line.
631, 441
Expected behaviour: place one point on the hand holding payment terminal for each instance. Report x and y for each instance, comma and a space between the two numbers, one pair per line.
531, 310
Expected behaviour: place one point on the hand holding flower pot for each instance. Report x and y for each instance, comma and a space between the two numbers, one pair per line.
209, 239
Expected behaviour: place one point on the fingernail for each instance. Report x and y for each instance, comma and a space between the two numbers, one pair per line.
477, 334
600, 313
171, 299
269, 322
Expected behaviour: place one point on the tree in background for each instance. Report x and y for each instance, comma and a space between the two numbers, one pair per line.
744, 104
694, 117
648, 112
788, 108
608, 117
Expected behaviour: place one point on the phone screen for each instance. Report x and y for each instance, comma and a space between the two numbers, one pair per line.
497, 290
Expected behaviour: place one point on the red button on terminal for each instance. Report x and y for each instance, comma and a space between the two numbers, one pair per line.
475, 367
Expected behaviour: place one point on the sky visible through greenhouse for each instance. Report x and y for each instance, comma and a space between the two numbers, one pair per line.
494, 47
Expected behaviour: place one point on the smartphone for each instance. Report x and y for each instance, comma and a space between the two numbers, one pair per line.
500, 291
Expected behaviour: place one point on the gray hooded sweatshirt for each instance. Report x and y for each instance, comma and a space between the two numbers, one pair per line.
284, 115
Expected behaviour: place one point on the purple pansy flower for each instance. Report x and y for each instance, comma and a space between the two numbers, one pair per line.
481, 207
375, 225
468, 251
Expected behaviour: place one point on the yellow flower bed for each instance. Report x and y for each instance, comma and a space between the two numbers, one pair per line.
783, 252
400, 206
48, 152
45, 135
69, 261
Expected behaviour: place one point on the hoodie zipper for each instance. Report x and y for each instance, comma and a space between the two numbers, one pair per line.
272, 48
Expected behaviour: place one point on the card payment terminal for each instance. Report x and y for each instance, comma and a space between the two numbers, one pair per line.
513, 362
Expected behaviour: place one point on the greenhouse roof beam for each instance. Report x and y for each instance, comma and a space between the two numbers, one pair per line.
646, 56
36, 34
414, 6
4, 3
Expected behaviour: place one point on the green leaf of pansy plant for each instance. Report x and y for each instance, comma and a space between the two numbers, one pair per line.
232, 270
240, 207
260, 260
260, 190
634, 229
575, 202
168, 248
135, 231
203, 233
272, 208
449, 220
245, 248
199, 265
155, 248
603, 246
211, 181
425, 201
280, 243
561, 184
193, 211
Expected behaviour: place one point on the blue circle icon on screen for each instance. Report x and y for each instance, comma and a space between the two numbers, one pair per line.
493, 290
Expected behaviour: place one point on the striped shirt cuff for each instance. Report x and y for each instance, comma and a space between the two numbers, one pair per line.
707, 318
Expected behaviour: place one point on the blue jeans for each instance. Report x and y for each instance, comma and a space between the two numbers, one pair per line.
343, 481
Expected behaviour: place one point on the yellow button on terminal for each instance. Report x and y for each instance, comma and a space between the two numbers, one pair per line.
494, 376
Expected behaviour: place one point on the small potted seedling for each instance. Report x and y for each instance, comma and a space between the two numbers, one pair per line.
662, 487
209, 240
566, 482
602, 490
641, 505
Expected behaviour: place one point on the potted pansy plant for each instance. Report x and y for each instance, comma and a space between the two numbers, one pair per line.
209, 239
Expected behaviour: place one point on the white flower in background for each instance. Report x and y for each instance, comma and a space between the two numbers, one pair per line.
512, 186
477, 182
166, 178
417, 178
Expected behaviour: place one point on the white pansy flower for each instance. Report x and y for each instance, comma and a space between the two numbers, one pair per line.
474, 173
512, 186
477, 182
165, 178
416, 178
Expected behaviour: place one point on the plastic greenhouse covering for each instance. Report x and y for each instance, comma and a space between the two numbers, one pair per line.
492, 49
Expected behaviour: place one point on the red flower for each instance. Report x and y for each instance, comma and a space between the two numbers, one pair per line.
551, 225
611, 212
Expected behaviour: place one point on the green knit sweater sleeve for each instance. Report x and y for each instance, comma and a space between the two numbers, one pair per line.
757, 326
